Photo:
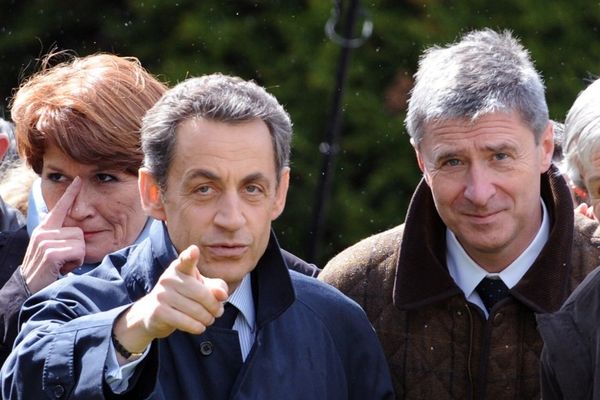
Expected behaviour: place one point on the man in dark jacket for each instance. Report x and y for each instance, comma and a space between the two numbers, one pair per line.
571, 355
488, 239
570, 358
206, 307
13, 243
10, 218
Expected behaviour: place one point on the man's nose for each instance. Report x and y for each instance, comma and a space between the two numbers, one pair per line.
480, 186
229, 214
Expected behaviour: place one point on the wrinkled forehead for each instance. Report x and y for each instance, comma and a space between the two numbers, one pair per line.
510, 120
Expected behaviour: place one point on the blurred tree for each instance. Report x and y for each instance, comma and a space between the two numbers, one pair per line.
281, 44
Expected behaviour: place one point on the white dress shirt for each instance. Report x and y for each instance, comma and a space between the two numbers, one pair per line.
245, 322
467, 274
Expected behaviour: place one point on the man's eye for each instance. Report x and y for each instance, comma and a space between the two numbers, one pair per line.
500, 156
203, 189
105, 178
253, 189
452, 162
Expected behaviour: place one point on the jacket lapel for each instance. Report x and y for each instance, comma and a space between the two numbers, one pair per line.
545, 285
422, 276
271, 284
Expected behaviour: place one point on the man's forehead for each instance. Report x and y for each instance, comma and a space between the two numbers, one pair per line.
489, 124
475, 119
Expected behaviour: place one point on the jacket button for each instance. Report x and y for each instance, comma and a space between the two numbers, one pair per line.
498, 318
206, 348
58, 391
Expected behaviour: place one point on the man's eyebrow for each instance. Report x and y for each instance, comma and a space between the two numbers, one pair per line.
206, 174
257, 176
492, 147
201, 173
499, 148
444, 153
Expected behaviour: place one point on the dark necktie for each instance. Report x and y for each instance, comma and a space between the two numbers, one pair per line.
491, 291
228, 318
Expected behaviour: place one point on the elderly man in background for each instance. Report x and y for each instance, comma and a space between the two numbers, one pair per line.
570, 358
10, 218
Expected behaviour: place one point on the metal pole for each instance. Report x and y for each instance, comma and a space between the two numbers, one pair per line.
329, 147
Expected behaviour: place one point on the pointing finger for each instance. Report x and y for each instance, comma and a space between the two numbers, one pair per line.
188, 260
56, 216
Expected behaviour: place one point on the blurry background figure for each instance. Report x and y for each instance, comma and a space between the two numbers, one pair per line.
581, 149
10, 219
570, 357
559, 139
16, 184
10, 153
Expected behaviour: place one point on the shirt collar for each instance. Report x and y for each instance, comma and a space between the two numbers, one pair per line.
242, 299
467, 274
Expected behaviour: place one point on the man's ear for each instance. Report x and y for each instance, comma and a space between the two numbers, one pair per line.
418, 154
281, 194
150, 195
547, 147
420, 161
4, 144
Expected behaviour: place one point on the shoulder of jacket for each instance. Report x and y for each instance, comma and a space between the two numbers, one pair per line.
326, 302
377, 252
586, 297
585, 251
372, 249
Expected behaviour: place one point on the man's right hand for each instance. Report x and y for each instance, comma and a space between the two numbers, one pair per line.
182, 299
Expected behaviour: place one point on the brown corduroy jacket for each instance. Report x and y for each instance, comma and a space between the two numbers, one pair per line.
438, 345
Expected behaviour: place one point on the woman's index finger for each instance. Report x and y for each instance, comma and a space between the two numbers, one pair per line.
56, 216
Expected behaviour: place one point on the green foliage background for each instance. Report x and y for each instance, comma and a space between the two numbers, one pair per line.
281, 44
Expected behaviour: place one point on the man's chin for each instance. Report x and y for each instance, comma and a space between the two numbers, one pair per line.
226, 270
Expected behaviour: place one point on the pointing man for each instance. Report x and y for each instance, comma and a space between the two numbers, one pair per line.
150, 321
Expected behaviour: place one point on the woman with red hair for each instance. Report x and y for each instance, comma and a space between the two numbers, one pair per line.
78, 127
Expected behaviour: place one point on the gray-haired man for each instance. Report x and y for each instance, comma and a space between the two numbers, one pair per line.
151, 321
488, 239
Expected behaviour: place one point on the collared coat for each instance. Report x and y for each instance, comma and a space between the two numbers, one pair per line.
570, 361
311, 342
440, 346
